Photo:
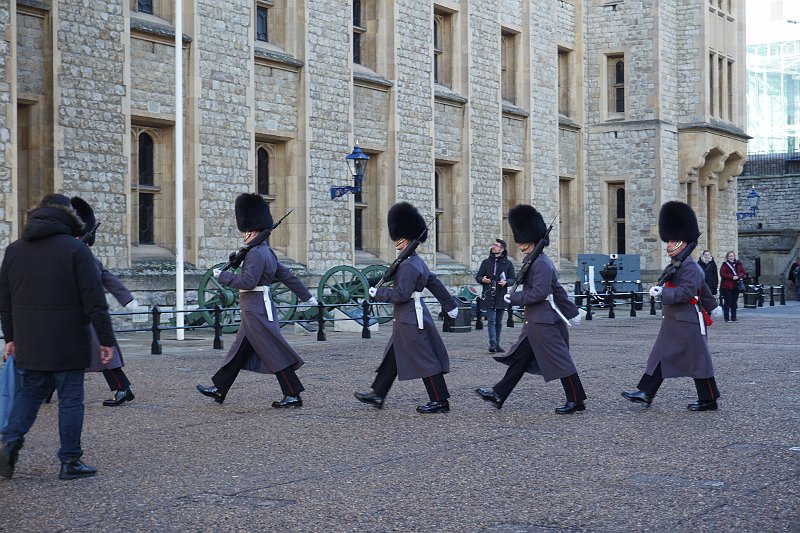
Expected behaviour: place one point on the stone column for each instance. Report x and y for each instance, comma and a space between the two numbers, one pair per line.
7, 116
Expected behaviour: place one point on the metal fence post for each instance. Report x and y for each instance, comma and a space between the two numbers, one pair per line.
320, 321
588, 305
365, 332
155, 346
633, 303
783, 295
217, 327
610, 299
771, 296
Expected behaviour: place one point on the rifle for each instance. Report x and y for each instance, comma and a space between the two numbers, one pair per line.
236, 258
671, 268
89, 235
412, 246
537, 251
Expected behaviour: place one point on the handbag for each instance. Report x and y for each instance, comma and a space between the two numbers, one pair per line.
740, 285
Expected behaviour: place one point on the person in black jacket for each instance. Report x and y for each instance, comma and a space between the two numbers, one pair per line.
50, 293
495, 274
709, 267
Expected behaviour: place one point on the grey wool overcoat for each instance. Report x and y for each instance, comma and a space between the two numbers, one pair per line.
271, 352
419, 353
112, 284
680, 347
543, 328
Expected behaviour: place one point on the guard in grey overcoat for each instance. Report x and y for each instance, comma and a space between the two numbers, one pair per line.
681, 347
415, 349
259, 345
117, 381
543, 344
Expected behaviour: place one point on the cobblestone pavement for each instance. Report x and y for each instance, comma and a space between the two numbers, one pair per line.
173, 460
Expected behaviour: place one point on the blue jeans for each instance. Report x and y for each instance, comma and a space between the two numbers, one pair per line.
35, 388
494, 323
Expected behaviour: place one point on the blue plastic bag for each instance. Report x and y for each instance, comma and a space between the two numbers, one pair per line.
8, 390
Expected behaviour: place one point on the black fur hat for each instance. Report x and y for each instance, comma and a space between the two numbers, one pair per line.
252, 213
526, 223
677, 222
52, 200
405, 222
86, 213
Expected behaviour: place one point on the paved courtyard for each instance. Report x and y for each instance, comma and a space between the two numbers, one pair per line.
173, 460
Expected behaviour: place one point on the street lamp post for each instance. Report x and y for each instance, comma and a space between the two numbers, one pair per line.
752, 200
357, 164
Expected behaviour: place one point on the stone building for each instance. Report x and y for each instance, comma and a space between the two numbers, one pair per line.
596, 110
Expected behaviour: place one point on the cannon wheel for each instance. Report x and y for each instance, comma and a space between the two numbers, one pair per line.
211, 292
380, 310
342, 285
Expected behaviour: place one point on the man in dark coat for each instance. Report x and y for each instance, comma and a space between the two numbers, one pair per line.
495, 274
259, 345
50, 293
709, 267
117, 381
543, 344
681, 348
415, 349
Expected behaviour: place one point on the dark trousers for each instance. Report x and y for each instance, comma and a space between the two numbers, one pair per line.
387, 373
116, 378
35, 388
225, 376
730, 297
706, 387
520, 360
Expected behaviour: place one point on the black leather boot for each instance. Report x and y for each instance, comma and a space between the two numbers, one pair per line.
288, 401
8, 459
211, 392
120, 397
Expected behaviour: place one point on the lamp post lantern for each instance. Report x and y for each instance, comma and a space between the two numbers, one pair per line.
357, 164
752, 201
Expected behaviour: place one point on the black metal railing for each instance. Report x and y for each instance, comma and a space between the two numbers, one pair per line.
772, 164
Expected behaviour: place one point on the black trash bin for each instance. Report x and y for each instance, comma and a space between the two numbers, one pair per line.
750, 296
463, 322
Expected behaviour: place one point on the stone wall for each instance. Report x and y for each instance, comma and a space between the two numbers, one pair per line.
91, 153
371, 116
568, 152
513, 142
30, 54
449, 120
6, 126
153, 86
276, 105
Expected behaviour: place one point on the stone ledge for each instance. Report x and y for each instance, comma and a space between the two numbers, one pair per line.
511, 109
36, 4
440, 92
276, 55
153, 27
714, 126
568, 123
369, 77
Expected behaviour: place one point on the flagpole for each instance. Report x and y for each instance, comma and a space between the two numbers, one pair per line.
179, 295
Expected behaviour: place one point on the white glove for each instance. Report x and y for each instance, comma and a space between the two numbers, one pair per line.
312, 301
576, 320
656, 291
216, 272
453, 313
372, 292
717, 312
132, 305
507, 298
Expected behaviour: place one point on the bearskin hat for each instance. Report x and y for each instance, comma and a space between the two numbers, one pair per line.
526, 223
86, 213
405, 222
52, 200
252, 213
677, 222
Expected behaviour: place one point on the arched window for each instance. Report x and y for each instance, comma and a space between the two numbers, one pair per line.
263, 172
147, 191
617, 217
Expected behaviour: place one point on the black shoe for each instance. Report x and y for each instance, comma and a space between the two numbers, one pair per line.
638, 397
8, 458
120, 397
492, 348
211, 392
369, 397
74, 469
702, 406
570, 407
434, 407
489, 395
288, 401
499, 349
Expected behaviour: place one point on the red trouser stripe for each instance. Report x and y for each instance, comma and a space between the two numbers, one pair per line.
574, 394
287, 383
114, 375
433, 386
710, 389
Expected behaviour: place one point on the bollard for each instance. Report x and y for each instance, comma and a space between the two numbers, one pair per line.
771, 296
510, 321
217, 327
478, 321
320, 321
783, 296
610, 300
588, 305
633, 303
653, 305
760, 293
155, 346
365, 332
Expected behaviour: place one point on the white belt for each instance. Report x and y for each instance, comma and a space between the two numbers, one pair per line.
701, 319
418, 307
556, 309
267, 301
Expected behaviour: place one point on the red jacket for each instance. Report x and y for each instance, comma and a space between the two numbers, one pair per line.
726, 274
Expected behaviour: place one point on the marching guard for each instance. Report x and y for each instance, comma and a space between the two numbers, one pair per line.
543, 344
415, 349
259, 345
117, 381
681, 347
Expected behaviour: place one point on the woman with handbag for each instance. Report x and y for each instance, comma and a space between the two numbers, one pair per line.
732, 274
